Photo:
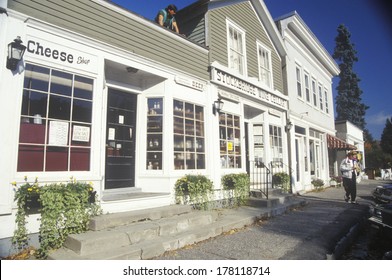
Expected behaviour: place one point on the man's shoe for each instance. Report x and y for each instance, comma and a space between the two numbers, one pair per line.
354, 202
346, 198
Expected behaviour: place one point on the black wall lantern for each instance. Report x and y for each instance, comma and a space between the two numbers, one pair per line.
288, 126
15, 53
217, 106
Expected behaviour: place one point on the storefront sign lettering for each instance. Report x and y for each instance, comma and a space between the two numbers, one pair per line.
200, 86
37, 48
238, 84
231, 81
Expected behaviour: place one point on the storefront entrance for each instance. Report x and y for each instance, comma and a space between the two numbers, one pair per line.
120, 140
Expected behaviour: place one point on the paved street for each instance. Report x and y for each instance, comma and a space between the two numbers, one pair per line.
318, 230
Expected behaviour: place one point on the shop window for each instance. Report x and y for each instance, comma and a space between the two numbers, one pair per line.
265, 73
154, 133
258, 142
236, 48
276, 143
56, 119
189, 138
230, 140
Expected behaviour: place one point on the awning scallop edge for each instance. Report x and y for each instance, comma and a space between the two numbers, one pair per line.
335, 143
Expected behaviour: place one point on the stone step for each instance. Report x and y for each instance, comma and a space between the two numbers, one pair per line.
150, 238
96, 241
124, 218
272, 201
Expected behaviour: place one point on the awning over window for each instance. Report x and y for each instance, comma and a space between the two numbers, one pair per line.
338, 144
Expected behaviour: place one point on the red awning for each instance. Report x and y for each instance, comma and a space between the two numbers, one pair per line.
335, 143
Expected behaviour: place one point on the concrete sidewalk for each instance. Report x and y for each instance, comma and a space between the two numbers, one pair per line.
323, 229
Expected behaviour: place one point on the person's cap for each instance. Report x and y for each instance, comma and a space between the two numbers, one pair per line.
172, 7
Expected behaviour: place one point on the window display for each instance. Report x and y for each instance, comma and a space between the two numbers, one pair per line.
189, 139
230, 140
56, 119
154, 133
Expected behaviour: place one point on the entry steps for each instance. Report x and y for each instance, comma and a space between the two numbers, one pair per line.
149, 233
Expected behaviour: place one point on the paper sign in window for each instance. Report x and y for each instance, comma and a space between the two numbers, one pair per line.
112, 134
81, 133
58, 133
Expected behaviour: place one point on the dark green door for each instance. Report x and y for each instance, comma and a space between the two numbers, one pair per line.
120, 140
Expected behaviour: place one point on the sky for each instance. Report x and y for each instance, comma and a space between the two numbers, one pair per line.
370, 25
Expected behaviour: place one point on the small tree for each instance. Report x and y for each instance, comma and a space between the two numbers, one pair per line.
386, 137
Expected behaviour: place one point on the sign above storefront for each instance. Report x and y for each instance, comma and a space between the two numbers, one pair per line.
200, 86
228, 95
230, 81
50, 52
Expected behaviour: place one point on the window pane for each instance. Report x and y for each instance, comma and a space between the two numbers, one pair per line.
36, 77
56, 159
81, 135
82, 111
59, 107
61, 83
83, 88
30, 158
80, 159
31, 132
34, 103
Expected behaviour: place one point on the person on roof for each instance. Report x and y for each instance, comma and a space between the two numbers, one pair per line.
165, 17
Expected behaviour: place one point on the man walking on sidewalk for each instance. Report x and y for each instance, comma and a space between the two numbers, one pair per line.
348, 167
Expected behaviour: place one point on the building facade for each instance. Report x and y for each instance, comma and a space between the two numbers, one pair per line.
246, 60
309, 73
99, 98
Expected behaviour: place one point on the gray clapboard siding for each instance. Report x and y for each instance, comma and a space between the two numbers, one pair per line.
96, 21
243, 15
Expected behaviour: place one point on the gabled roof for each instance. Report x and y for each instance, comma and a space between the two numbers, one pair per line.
262, 12
295, 24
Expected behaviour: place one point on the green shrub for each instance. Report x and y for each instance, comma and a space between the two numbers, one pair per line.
239, 185
65, 208
281, 180
198, 188
318, 184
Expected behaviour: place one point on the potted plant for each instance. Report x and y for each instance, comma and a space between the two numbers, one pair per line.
318, 184
282, 180
335, 181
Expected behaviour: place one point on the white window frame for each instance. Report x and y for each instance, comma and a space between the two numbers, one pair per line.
314, 92
276, 142
265, 67
326, 100
307, 87
241, 69
320, 95
298, 75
